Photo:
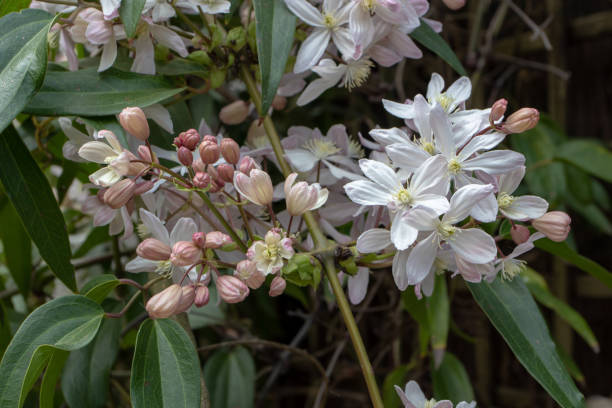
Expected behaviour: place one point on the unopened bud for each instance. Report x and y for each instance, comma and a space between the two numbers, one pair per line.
454, 4
164, 304
256, 187
519, 233
185, 253
277, 286
226, 172
279, 102
187, 297
119, 193
153, 250
234, 113
554, 224
247, 271
230, 150
145, 153
256, 132
199, 238
216, 186
498, 110
198, 165
201, 180
143, 187
217, 239
202, 296
190, 139
246, 164
521, 121
185, 156
210, 139
134, 121
231, 289
209, 152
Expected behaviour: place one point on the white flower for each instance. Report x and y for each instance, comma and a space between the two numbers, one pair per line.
269, 255
76, 139
144, 60
327, 26
110, 8
426, 188
208, 6
413, 397
111, 154
117, 219
301, 197
358, 285
509, 265
151, 225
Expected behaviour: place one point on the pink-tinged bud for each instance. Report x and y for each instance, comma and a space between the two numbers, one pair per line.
519, 233
134, 121
209, 152
143, 187
198, 165
216, 186
247, 271
217, 239
164, 304
498, 110
201, 180
247, 163
100, 194
210, 139
256, 187
185, 253
234, 113
521, 121
187, 297
190, 139
454, 4
145, 154
226, 172
230, 150
199, 238
279, 103
277, 287
119, 193
202, 296
185, 156
301, 197
554, 224
231, 289
178, 142
153, 250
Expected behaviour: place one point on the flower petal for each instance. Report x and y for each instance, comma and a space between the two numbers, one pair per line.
474, 245
402, 233
421, 259
401, 110
305, 12
301, 159
358, 285
155, 227
495, 162
373, 240
367, 193
435, 86
183, 230
380, 174
311, 50
464, 199
525, 208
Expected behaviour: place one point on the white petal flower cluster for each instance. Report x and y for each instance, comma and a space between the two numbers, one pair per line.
413, 397
437, 186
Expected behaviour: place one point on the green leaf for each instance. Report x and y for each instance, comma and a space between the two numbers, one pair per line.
230, 378
211, 314
52, 374
570, 364
99, 287
418, 310
588, 155
438, 315
451, 381
90, 93
23, 59
563, 251
30, 193
66, 323
9, 6
395, 377
17, 247
166, 368
427, 37
275, 26
130, 12
513, 312
86, 375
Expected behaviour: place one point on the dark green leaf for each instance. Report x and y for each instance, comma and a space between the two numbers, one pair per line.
17, 247
418, 310
52, 374
108, 123
9, 6
427, 37
166, 368
275, 28
130, 12
99, 287
395, 377
570, 364
588, 155
438, 314
30, 193
212, 313
451, 381
91, 93
230, 378
23, 59
66, 323
563, 251
513, 312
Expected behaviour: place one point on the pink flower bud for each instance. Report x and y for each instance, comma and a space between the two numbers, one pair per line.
143, 187
234, 113
247, 271
230, 150
185, 253
145, 153
256, 187
216, 186
134, 121
119, 193
217, 239
202, 296
554, 224
521, 120
199, 238
454, 4
226, 172
201, 180
277, 287
279, 103
301, 197
187, 297
100, 194
498, 110
519, 233
209, 152
247, 164
185, 156
231, 289
164, 303
178, 142
153, 250
210, 139
198, 165
190, 139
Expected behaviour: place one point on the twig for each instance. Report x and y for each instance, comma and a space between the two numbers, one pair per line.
564, 75
537, 31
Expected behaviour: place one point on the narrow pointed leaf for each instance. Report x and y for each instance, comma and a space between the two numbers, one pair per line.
29, 191
230, 378
130, 12
427, 37
451, 381
588, 155
511, 309
438, 314
17, 247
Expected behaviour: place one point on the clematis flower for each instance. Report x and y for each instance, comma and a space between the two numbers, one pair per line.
328, 25
413, 397
117, 219
144, 60
301, 197
509, 266
110, 8
269, 255
112, 154
256, 187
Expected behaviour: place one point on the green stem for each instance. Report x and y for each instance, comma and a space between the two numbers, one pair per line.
223, 221
320, 243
